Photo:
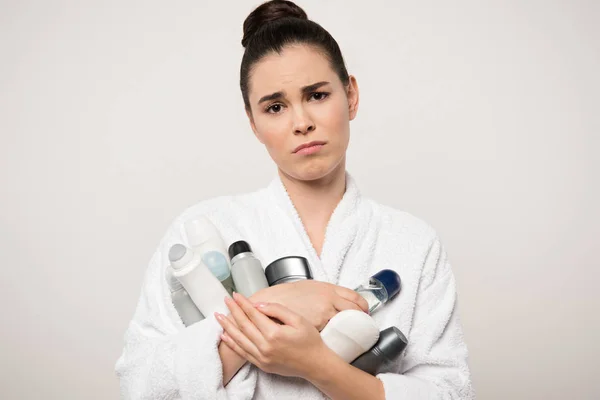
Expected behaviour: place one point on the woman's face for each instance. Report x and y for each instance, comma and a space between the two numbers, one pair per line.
301, 111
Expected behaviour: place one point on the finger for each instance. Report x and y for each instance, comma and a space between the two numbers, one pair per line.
231, 319
229, 342
264, 324
352, 296
233, 332
341, 304
244, 324
283, 314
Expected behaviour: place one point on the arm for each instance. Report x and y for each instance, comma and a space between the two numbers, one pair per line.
435, 364
232, 362
163, 359
293, 348
318, 302
434, 367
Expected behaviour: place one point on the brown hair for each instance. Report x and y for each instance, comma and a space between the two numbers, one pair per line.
277, 23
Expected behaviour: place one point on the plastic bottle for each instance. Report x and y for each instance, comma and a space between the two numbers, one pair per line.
247, 271
202, 286
380, 289
183, 303
350, 333
288, 269
205, 239
387, 350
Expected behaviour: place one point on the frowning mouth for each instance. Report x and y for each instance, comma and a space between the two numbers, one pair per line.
309, 148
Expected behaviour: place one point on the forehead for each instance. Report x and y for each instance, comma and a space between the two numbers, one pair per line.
296, 66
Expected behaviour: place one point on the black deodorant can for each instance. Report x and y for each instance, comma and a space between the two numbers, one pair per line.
388, 349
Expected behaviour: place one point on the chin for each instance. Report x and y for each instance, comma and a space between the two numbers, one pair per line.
314, 169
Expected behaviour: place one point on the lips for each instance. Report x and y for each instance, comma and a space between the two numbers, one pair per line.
309, 145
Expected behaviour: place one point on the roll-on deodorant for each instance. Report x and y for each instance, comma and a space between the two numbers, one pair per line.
387, 350
288, 269
202, 286
380, 288
247, 271
350, 333
205, 239
183, 303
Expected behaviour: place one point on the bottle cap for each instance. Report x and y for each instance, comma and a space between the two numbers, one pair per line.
200, 230
288, 267
390, 280
388, 349
217, 264
350, 333
179, 256
239, 247
391, 343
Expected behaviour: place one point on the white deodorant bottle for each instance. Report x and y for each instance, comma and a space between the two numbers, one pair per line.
183, 303
247, 271
202, 286
350, 333
205, 239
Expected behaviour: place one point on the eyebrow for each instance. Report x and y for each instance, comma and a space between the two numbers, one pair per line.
304, 90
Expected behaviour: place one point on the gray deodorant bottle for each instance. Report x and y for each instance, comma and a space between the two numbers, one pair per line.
246, 270
387, 350
183, 303
288, 269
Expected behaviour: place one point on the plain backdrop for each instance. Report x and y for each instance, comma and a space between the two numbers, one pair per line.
480, 117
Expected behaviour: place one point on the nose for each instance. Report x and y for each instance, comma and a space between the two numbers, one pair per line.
303, 124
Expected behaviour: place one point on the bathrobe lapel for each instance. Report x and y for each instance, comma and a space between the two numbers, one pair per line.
345, 226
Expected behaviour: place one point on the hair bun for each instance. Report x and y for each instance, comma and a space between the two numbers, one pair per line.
269, 12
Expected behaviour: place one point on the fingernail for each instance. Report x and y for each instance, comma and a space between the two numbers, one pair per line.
223, 337
218, 316
260, 305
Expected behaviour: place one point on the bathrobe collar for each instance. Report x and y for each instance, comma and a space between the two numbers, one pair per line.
340, 234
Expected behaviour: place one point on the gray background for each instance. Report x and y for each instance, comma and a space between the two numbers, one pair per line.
480, 117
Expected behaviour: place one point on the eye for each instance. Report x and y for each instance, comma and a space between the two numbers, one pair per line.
274, 108
319, 96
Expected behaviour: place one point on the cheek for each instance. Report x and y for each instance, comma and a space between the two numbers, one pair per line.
335, 119
272, 132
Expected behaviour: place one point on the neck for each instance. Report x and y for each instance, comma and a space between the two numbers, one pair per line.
316, 200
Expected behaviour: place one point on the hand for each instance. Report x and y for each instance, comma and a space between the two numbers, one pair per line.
290, 349
316, 301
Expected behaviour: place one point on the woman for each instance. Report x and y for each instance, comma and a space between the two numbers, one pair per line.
299, 100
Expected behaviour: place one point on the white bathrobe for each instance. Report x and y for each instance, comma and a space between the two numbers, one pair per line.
162, 359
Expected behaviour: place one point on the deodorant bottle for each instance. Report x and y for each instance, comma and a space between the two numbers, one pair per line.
205, 239
387, 350
288, 269
183, 303
350, 333
380, 289
247, 271
202, 286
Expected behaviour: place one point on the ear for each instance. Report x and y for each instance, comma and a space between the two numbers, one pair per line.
252, 125
353, 97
